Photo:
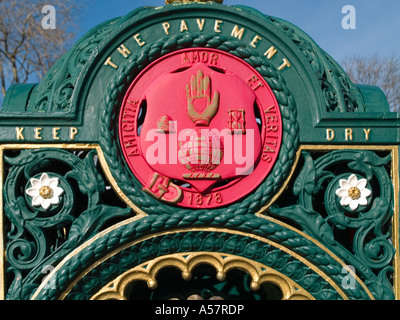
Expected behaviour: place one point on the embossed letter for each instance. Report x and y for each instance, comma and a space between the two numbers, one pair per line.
367, 132
20, 135
72, 133
138, 40
330, 134
166, 27
217, 27
270, 52
236, 33
124, 51
349, 134
110, 63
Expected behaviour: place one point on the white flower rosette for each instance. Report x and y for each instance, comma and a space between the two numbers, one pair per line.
353, 192
44, 191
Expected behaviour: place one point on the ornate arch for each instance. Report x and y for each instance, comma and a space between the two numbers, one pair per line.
186, 262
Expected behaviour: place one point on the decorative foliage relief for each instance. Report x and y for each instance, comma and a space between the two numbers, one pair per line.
54, 200
317, 201
344, 199
340, 94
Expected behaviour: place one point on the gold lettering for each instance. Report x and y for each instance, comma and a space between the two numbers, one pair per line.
330, 134
195, 57
204, 56
271, 143
139, 40
270, 52
266, 157
135, 103
185, 59
128, 127
124, 51
200, 56
285, 64
217, 26
128, 114
184, 26
367, 132
38, 133
236, 33
166, 27
132, 143
255, 41
134, 152
270, 128
55, 133
214, 59
72, 133
201, 23
254, 83
268, 150
349, 134
269, 109
269, 119
20, 135
110, 63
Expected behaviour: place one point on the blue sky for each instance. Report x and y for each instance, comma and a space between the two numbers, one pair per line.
377, 21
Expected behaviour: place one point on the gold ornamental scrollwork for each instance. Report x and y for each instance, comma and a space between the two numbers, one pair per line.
186, 262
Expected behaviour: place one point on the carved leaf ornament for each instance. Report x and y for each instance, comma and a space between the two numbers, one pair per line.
198, 160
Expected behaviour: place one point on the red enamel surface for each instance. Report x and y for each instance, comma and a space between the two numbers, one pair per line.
200, 145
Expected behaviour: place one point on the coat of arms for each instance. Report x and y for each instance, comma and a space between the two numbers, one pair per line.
200, 128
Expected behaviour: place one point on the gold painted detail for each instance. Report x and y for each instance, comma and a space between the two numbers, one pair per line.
165, 124
37, 133
349, 134
218, 26
162, 188
199, 89
201, 176
237, 121
354, 193
140, 214
80, 146
46, 192
186, 262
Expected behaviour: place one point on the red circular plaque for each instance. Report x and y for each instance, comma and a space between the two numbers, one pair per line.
200, 128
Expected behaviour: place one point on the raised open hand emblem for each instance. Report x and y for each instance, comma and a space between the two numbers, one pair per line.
200, 108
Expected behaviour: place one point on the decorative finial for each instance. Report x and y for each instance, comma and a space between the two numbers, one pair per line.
189, 1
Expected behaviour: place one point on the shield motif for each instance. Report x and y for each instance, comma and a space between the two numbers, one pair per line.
200, 127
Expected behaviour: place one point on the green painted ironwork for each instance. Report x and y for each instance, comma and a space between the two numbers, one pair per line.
39, 239
77, 104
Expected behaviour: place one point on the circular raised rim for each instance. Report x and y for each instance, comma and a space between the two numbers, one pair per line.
243, 185
127, 72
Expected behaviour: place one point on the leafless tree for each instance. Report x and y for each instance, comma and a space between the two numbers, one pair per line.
383, 72
27, 49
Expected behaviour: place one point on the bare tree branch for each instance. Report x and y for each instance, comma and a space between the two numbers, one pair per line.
383, 72
27, 50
